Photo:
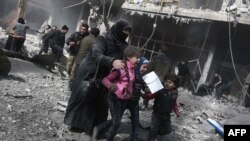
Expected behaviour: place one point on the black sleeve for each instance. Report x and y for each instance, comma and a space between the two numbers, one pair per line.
48, 36
98, 52
71, 38
62, 42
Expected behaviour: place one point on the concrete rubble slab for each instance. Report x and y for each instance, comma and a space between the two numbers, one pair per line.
21, 66
192, 14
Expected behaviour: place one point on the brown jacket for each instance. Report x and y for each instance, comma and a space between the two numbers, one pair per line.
85, 46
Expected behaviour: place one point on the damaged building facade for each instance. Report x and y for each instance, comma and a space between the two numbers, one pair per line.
206, 33
210, 35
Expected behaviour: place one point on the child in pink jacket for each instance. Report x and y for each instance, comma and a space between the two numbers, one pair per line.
120, 84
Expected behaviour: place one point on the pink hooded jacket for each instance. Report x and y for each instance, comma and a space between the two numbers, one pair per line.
118, 77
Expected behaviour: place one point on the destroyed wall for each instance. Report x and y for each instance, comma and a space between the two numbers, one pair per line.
222, 62
201, 4
183, 41
193, 40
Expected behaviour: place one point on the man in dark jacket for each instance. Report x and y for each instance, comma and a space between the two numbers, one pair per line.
183, 72
56, 41
108, 51
85, 46
74, 44
45, 45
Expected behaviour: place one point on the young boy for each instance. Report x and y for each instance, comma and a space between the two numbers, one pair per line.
165, 102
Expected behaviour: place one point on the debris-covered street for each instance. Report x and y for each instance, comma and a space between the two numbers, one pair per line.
84, 70
33, 105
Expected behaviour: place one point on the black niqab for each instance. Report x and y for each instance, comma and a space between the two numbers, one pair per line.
117, 30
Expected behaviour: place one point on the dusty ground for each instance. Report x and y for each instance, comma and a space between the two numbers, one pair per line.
30, 110
27, 104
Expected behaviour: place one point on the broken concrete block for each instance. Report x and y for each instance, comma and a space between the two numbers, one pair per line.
5, 64
188, 130
62, 103
28, 90
199, 120
60, 108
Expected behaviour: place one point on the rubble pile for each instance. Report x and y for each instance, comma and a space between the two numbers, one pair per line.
32, 45
33, 104
193, 124
28, 102
3, 37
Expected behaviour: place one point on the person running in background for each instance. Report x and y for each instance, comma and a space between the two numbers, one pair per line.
45, 46
19, 36
216, 82
85, 47
56, 40
164, 104
220, 85
74, 44
185, 75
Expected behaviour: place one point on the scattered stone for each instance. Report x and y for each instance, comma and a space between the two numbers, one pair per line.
60, 108
62, 103
199, 120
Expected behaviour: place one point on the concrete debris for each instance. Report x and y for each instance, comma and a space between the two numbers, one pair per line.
60, 108
19, 96
62, 103
199, 120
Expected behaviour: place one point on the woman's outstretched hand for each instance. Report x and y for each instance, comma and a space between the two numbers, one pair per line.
118, 64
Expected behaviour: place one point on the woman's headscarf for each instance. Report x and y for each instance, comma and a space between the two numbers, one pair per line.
142, 61
117, 30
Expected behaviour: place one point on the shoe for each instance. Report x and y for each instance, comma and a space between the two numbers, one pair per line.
218, 98
95, 134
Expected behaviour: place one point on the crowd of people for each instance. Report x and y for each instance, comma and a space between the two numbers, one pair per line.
119, 69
